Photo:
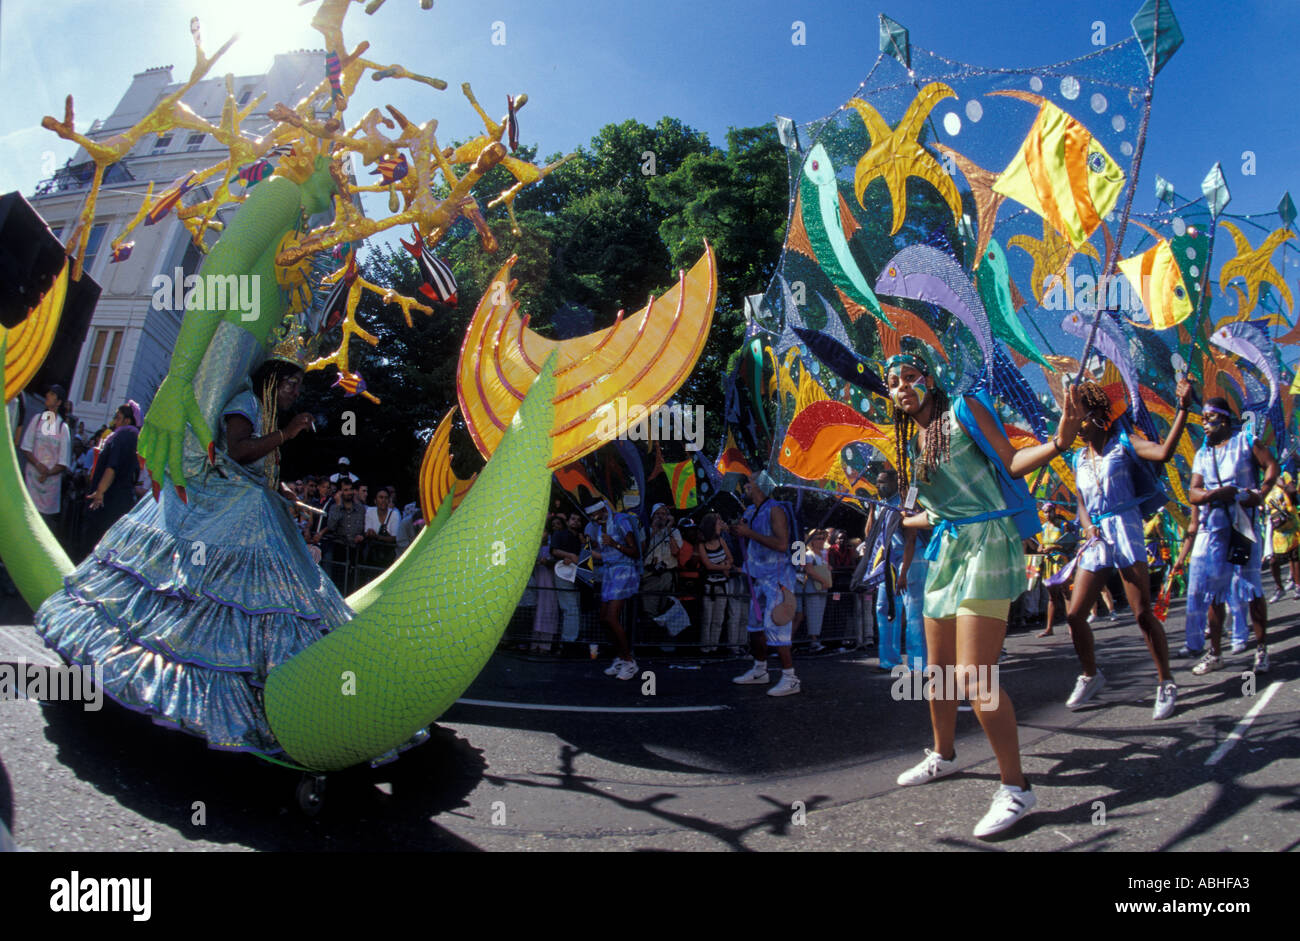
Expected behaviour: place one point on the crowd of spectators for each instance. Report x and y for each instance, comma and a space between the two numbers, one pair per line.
692, 589
352, 536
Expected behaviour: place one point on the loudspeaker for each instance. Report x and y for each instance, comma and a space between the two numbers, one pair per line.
30, 258
61, 362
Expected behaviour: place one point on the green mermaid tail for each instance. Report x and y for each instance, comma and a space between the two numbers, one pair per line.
425, 634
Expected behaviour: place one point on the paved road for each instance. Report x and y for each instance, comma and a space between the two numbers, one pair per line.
554, 755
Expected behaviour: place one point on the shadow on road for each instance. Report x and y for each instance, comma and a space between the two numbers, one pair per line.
175, 780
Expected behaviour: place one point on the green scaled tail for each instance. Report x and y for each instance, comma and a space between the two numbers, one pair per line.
35, 560
421, 640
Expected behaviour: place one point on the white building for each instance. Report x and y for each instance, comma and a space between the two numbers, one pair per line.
129, 344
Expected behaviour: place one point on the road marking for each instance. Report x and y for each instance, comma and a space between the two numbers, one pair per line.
26, 646
1237, 734
540, 707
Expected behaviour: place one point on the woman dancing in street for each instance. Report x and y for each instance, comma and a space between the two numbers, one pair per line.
967, 476
1110, 516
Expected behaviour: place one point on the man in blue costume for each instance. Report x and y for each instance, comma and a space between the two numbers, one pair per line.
766, 527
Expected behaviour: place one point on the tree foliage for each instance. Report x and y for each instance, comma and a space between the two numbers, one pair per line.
604, 231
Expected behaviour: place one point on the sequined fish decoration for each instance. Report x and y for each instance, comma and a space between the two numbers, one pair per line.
439, 283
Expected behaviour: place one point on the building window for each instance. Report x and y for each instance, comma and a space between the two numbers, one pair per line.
102, 364
193, 142
244, 96
93, 244
162, 143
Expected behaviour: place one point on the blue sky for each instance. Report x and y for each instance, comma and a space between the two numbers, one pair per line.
1229, 91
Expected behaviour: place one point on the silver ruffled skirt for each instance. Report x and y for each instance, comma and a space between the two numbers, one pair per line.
188, 607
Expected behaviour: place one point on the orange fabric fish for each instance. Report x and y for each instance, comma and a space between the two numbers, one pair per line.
819, 433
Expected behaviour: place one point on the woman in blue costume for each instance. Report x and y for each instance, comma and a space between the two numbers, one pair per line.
1225, 476
189, 602
1110, 518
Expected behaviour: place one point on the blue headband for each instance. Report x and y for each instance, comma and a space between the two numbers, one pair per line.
907, 359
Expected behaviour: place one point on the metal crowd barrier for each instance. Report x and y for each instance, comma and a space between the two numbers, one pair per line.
847, 621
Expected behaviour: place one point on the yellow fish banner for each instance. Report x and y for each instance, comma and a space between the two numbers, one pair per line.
1167, 276
1062, 173
1156, 277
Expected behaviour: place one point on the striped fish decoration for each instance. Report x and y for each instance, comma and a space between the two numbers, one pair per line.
334, 72
391, 170
336, 302
439, 283
512, 124
254, 173
168, 200
1061, 172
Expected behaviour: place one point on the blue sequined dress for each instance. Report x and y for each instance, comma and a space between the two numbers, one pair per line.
188, 606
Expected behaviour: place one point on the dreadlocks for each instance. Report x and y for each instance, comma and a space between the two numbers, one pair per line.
935, 447
1093, 397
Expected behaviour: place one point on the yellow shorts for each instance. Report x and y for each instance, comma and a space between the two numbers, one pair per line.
978, 607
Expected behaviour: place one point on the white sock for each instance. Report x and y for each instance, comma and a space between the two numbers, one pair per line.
788, 673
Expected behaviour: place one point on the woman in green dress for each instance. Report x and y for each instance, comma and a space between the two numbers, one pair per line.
967, 477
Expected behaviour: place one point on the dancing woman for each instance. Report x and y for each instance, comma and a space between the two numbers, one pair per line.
1110, 515
967, 476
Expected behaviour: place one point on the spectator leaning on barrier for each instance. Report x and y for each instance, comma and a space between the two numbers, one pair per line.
382, 525
345, 523
817, 582
718, 564
566, 548
661, 549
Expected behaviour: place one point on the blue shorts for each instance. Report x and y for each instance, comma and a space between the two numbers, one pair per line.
764, 600
620, 582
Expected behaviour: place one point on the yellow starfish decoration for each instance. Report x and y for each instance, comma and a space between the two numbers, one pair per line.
1255, 267
895, 154
1051, 254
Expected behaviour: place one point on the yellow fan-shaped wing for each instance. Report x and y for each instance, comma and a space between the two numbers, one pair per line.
636, 364
28, 343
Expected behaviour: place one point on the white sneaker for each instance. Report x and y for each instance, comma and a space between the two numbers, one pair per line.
1166, 698
1296, 593
627, 670
1208, 664
1239, 647
1261, 659
1185, 652
1009, 805
816, 647
786, 686
1276, 596
1085, 687
615, 666
1092, 617
756, 674
932, 768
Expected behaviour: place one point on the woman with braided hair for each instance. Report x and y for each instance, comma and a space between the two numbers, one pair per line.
1110, 519
968, 476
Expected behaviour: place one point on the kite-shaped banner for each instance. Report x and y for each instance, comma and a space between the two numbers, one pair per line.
605, 381
1157, 30
894, 41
